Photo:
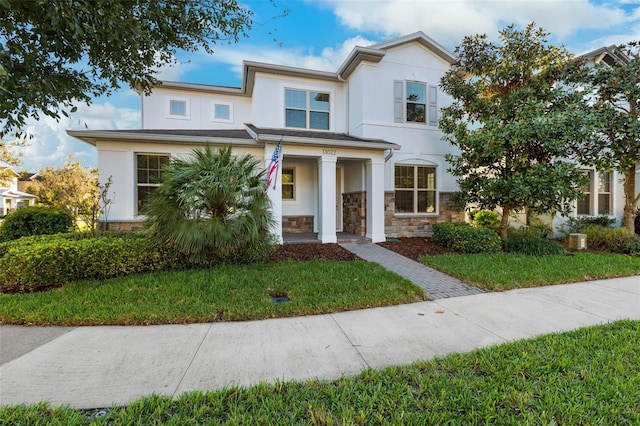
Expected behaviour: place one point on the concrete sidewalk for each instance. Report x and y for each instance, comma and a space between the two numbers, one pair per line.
91, 367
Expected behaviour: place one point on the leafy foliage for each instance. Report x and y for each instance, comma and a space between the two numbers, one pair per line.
32, 220
614, 240
511, 122
530, 245
56, 53
212, 204
464, 238
486, 219
612, 96
577, 224
72, 187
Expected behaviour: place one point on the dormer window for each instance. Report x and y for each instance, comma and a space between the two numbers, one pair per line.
307, 109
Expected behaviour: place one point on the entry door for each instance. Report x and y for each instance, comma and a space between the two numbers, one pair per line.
339, 190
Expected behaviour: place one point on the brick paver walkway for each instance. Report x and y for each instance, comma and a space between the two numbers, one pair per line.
435, 283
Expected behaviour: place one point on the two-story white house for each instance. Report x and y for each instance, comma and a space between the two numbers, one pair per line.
362, 152
10, 197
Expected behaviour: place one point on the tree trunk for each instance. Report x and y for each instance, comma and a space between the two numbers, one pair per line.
630, 199
504, 223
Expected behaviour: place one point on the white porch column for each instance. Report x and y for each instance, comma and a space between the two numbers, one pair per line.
327, 199
375, 199
275, 194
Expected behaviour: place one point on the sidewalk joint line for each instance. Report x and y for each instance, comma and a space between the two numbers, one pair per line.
195, 353
355, 347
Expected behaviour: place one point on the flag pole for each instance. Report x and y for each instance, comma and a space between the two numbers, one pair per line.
275, 180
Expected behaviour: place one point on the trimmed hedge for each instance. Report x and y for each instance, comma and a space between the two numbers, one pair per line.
32, 220
615, 240
39, 263
464, 238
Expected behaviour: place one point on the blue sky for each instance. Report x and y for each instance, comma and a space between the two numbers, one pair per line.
319, 34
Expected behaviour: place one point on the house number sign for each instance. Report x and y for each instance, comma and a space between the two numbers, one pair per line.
329, 151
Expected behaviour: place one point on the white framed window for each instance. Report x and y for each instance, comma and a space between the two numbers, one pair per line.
307, 109
222, 112
288, 183
179, 108
415, 189
596, 196
415, 102
149, 168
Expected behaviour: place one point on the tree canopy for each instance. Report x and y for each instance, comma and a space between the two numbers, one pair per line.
512, 121
611, 91
57, 53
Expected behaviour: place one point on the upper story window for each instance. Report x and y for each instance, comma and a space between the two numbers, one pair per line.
149, 168
415, 189
179, 108
415, 102
222, 112
306, 109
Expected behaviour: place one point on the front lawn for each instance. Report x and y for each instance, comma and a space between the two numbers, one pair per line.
227, 293
584, 377
505, 271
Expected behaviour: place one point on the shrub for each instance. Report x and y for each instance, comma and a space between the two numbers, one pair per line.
486, 219
33, 220
42, 262
461, 237
577, 224
615, 240
531, 245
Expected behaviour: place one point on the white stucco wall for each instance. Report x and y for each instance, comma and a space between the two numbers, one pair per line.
200, 110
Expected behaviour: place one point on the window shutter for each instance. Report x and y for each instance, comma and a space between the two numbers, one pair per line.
398, 101
433, 105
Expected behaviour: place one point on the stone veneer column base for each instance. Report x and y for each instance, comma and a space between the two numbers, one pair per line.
297, 224
354, 213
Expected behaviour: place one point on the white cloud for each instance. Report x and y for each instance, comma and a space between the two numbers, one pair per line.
329, 59
449, 21
50, 145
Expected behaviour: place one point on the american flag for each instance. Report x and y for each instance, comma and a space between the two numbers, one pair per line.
272, 171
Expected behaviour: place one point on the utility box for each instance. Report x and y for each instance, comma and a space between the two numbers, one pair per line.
577, 241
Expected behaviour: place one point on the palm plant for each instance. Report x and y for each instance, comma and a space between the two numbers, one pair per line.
212, 205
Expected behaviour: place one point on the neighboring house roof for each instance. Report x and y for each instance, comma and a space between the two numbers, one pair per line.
610, 55
359, 54
29, 176
251, 135
10, 193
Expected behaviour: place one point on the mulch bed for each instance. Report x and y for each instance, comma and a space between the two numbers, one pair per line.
312, 251
413, 248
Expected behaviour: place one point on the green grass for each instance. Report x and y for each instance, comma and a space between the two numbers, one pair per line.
587, 377
504, 271
228, 293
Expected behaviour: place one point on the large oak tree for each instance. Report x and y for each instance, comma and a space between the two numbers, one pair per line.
511, 121
57, 53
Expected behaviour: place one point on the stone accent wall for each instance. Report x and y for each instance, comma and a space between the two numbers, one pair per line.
354, 213
416, 226
297, 224
120, 226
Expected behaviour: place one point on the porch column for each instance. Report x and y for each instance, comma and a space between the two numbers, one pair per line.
275, 194
327, 199
375, 199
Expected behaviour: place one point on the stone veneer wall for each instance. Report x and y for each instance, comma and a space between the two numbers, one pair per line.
417, 226
120, 226
297, 224
354, 213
